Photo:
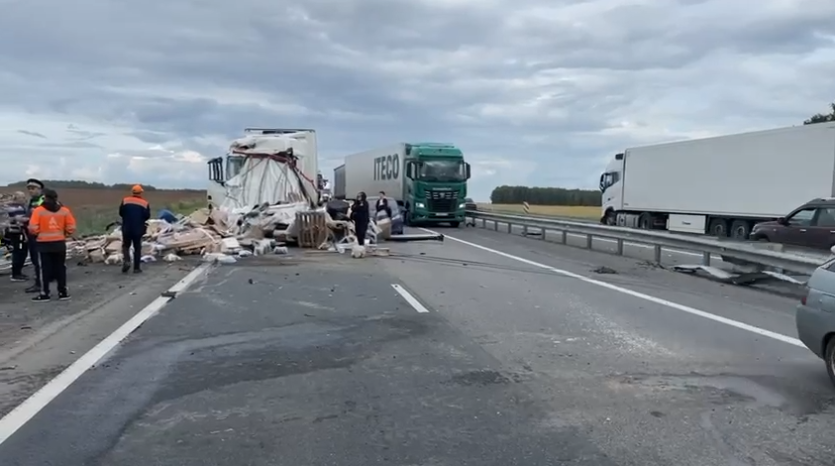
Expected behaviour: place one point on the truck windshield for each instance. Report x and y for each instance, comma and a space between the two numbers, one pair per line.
234, 164
608, 179
443, 170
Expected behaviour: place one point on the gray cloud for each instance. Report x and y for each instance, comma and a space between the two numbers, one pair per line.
545, 90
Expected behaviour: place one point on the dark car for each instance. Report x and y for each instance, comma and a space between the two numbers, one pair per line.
811, 225
469, 204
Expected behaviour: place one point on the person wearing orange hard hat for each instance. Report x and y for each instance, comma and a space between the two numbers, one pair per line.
135, 212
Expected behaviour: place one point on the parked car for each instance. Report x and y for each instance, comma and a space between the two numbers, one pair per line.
469, 204
815, 315
811, 225
396, 216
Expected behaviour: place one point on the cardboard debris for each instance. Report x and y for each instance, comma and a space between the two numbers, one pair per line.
239, 233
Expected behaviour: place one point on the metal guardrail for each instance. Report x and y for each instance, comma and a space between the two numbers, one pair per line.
797, 263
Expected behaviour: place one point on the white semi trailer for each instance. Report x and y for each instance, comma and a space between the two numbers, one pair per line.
720, 186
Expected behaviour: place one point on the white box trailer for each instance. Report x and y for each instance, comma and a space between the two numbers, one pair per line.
721, 185
376, 170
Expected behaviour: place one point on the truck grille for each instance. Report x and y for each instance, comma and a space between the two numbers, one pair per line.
442, 201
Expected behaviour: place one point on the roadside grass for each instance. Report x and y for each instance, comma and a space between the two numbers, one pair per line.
584, 212
94, 219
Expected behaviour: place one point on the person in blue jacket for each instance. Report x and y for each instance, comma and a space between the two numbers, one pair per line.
135, 212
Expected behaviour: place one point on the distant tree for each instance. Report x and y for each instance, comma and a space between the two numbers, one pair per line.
545, 196
81, 184
821, 117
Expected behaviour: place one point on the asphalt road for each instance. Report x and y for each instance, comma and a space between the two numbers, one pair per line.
476, 351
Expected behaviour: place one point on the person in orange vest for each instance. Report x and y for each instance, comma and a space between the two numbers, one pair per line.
135, 212
50, 225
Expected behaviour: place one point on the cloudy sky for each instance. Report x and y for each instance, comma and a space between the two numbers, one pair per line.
536, 92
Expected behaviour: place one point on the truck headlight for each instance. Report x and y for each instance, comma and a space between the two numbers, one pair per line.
462, 205
420, 205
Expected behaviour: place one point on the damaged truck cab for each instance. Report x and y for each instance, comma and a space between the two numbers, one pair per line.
266, 165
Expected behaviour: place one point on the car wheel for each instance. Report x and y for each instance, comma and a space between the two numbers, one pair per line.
829, 357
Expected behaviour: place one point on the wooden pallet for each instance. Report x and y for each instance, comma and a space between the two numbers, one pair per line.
312, 227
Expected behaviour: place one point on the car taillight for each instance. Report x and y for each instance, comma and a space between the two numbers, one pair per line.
805, 295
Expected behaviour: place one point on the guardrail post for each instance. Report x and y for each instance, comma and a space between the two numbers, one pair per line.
564, 235
705, 258
483, 223
620, 247
524, 230
542, 233
589, 241
509, 227
657, 253
495, 225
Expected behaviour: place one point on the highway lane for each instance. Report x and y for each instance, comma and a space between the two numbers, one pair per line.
650, 383
316, 361
319, 359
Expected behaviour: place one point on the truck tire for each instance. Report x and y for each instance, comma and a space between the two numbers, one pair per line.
740, 229
829, 358
645, 221
718, 228
454, 224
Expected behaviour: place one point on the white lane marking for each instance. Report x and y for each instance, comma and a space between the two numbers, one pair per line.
645, 297
409, 298
24, 412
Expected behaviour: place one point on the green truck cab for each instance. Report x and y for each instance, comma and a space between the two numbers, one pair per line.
435, 185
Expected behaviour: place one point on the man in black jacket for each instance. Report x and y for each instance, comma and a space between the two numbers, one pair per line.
35, 188
361, 217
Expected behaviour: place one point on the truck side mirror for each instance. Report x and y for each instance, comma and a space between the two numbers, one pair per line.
468, 170
410, 170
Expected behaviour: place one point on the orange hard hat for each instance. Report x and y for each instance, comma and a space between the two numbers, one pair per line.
137, 189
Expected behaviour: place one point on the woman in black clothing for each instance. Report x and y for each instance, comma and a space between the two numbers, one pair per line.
360, 216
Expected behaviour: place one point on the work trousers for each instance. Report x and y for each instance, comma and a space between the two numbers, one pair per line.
19, 252
361, 229
54, 267
34, 256
136, 242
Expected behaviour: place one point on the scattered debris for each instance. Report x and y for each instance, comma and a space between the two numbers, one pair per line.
604, 270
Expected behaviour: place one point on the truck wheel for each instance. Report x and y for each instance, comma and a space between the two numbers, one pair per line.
829, 358
740, 229
645, 221
719, 228
454, 224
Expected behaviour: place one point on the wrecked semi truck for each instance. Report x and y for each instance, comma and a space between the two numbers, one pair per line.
720, 186
428, 180
266, 165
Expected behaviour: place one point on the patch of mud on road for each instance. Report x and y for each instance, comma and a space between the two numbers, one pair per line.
39, 340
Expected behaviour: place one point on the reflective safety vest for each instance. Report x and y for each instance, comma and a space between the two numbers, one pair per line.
51, 226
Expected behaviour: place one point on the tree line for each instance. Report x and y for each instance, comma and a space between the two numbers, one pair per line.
822, 117
545, 196
81, 184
